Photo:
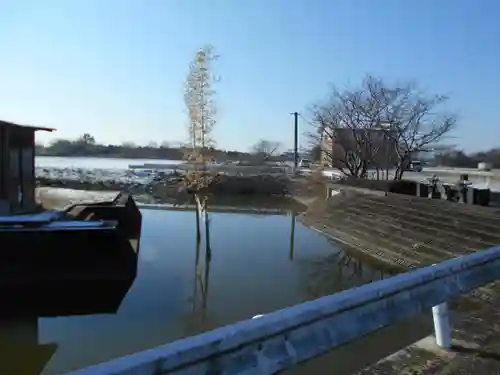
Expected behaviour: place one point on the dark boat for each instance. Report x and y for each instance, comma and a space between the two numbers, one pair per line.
49, 255
87, 246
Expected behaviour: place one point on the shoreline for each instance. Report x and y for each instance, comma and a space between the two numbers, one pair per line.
59, 197
106, 157
164, 186
101, 157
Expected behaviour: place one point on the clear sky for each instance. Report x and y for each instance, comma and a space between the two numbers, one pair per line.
115, 68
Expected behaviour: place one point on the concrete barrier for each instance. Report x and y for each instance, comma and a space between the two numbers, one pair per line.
281, 339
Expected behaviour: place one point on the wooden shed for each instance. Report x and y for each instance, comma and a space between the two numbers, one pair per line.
17, 167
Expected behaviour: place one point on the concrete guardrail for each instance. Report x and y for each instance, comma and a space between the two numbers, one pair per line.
281, 339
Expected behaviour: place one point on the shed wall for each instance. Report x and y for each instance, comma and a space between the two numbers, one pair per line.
17, 175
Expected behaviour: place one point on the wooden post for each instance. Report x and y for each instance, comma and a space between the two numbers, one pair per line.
198, 208
207, 231
206, 282
292, 237
196, 272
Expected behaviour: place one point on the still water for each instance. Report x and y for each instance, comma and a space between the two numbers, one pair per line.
98, 163
259, 263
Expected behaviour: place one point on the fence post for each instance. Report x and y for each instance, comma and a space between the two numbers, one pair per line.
442, 327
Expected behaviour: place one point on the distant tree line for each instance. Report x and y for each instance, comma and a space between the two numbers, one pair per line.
87, 146
457, 158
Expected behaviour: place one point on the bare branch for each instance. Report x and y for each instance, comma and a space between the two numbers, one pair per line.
265, 149
377, 125
199, 98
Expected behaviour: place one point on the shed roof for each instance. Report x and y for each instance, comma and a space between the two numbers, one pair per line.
34, 128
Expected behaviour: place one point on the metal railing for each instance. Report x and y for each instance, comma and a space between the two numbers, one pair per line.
281, 339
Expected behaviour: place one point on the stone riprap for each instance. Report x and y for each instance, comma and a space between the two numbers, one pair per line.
96, 179
163, 185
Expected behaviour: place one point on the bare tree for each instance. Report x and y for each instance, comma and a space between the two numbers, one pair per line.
87, 139
265, 149
199, 99
348, 137
377, 126
413, 122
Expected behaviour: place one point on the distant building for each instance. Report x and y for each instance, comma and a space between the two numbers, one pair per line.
380, 146
290, 156
17, 167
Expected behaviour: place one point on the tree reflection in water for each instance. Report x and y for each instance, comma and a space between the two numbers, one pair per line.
201, 269
292, 235
340, 271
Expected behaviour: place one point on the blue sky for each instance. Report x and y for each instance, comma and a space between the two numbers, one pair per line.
115, 68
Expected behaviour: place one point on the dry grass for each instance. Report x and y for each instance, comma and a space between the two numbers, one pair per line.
208, 185
310, 186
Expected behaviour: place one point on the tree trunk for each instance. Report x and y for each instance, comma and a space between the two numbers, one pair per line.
207, 232
198, 208
398, 174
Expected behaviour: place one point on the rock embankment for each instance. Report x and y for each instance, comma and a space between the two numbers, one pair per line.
163, 185
89, 179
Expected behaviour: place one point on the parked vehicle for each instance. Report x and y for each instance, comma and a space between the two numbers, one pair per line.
483, 166
305, 163
414, 166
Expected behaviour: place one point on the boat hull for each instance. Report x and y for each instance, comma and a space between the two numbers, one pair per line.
122, 209
54, 298
53, 256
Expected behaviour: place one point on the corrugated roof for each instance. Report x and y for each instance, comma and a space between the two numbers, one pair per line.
34, 128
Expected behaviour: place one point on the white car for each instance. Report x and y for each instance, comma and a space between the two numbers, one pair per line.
305, 163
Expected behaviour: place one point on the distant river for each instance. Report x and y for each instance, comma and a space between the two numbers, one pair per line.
98, 163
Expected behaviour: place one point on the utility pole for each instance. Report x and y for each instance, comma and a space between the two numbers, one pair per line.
296, 140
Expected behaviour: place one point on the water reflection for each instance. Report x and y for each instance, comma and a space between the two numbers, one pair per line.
292, 235
340, 271
20, 347
202, 276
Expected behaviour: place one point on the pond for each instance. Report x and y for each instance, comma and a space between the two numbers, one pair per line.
259, 263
